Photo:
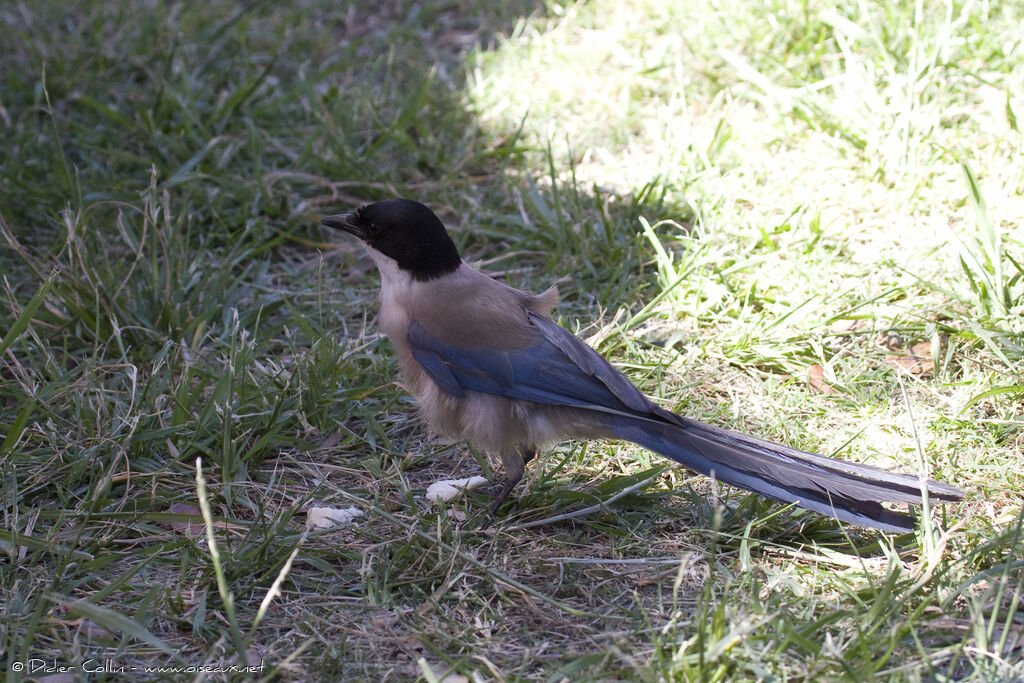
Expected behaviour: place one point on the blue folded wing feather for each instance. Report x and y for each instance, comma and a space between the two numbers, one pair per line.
558, 369
590, 362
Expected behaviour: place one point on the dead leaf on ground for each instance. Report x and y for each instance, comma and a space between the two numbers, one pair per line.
917, 361
844, 325
816, 379
90, 629
189, 528
332, 440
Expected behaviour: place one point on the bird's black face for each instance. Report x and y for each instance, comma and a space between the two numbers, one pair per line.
406, 231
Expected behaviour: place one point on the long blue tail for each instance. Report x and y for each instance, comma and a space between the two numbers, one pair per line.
848, 491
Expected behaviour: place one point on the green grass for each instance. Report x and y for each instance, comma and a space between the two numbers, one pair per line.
727, 194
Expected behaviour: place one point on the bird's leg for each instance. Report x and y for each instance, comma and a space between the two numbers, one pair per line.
514, 462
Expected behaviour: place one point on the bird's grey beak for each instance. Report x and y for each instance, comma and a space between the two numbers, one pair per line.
343, 221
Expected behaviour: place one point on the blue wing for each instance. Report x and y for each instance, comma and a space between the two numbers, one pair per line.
559, 369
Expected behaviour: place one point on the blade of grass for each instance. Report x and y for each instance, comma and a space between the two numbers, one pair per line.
222, 585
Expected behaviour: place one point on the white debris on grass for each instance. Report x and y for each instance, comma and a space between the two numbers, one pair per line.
324, 518
446, 489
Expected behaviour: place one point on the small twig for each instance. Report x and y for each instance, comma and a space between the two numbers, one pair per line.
616, 560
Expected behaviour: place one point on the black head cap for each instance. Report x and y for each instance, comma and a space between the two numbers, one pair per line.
405, 230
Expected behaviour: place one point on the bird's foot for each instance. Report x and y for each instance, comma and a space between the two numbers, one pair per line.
498, 491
